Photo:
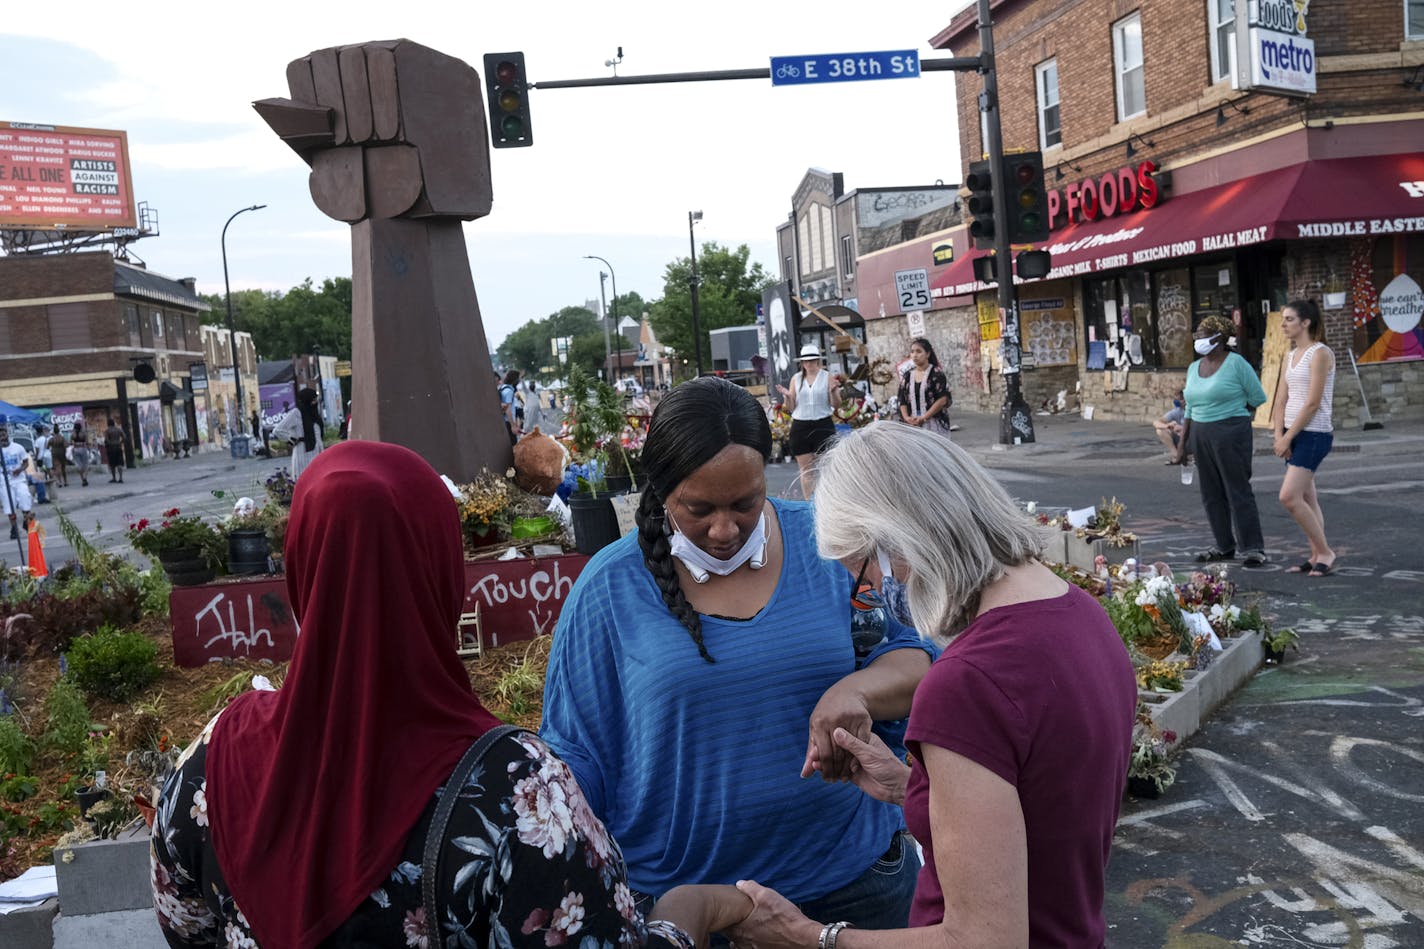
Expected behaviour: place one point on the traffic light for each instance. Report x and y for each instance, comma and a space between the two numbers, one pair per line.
1027, 202
980, 183
508, 100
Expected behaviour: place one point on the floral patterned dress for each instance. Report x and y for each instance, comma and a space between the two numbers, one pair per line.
919, 396
525, 863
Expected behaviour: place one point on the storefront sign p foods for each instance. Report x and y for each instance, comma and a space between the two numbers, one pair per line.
1272, 51
1129, 188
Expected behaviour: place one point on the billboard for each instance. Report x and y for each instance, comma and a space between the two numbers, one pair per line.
54, 177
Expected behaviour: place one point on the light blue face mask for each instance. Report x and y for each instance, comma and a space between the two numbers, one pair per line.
892, 591
700, 563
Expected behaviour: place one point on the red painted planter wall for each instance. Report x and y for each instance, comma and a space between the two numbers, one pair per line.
252, 619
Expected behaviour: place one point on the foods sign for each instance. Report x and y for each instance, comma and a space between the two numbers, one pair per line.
1272, 52
52, 177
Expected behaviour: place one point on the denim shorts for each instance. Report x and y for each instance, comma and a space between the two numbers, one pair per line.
1308, 449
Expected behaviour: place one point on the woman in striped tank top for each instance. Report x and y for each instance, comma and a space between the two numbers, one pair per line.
1300, 419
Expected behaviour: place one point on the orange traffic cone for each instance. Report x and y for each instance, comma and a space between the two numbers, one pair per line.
37, 561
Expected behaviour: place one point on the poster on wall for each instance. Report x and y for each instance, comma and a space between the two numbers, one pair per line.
1050, 334
150, 427
276, 401
1387, 320
780, 323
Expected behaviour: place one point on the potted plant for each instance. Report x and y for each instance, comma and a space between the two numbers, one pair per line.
597, 416
485, 509
247, 545
1276, 641
1149, 772
189, 549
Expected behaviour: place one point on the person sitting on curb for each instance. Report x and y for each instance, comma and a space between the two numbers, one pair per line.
1169, 426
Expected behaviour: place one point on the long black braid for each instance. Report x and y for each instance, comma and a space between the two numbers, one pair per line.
692, 424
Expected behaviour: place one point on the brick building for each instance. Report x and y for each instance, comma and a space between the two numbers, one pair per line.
77, 331
1178, 195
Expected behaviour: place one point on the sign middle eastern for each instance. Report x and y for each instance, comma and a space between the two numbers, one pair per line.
844, 67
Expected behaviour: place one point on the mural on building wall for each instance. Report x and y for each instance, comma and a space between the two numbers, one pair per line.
1386, 321
776, 304
150, 427
886, 218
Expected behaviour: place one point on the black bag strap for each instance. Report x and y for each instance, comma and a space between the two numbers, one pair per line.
435, 836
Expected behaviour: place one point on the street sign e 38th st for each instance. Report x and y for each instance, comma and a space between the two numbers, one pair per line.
844, 67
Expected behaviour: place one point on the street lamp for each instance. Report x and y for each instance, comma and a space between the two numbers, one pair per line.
231, 330
616, 331
692, 218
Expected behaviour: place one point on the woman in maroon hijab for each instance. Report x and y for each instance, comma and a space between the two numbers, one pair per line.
299, 817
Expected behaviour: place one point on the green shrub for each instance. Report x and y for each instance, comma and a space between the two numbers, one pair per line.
113, 664
16, 750
68, 728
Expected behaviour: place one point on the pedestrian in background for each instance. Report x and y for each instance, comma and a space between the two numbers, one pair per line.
14, 485
79, 452
1222, 392
1301, 423
533, 410
1003, 746
811, 399
924, 390
508, 403
114, 451
301, 428
57, 448
1168, 428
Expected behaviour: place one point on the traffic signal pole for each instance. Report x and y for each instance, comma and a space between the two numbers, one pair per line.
1015, 419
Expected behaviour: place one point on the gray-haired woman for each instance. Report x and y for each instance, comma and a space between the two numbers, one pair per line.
1026, 717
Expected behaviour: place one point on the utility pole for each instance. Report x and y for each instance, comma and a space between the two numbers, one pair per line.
1015, 419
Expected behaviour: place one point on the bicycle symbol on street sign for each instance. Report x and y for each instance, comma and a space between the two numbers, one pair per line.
844, 67
787, 71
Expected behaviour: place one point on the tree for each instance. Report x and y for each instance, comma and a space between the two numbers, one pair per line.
528, 348
728, 294
587, 351
284, 325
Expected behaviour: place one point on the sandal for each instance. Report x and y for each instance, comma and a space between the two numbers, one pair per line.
1305, 566
1213, 554
1323, 569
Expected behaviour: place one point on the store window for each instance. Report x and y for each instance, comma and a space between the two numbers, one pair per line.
1221, 21
1139, 318
1127, 67
1414, 19
1214, 291
1050, 133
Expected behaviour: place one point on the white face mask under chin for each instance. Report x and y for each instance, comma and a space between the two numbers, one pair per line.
701, 564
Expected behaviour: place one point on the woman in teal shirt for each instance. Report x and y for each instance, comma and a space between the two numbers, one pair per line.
1222, 392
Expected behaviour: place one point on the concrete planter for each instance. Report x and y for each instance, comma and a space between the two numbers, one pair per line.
1080, 552
1203, 692
101, 876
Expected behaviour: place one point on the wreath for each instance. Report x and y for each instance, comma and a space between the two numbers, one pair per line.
881, 372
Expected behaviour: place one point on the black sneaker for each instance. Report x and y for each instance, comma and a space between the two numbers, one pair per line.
1213, 555
1254, 558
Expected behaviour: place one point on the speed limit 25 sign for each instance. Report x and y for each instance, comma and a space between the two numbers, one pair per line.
913, 289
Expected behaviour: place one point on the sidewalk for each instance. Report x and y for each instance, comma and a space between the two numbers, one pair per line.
150, 477
1067, 438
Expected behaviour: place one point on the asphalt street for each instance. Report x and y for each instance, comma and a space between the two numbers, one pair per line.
1295, 819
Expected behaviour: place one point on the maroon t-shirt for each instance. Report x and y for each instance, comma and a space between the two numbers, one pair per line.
1043, 695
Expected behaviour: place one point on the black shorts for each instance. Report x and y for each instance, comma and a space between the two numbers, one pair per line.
115, 455
811, 436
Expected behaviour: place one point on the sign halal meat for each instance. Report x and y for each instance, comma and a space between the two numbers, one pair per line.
55, 177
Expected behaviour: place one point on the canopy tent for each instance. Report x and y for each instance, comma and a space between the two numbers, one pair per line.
14, 415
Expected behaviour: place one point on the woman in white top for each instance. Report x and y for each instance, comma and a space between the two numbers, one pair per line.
302, 429
810, 400
1300, 419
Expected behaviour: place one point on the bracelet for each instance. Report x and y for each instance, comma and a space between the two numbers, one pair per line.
829, 933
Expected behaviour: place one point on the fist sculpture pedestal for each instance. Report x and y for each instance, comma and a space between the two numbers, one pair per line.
395, 136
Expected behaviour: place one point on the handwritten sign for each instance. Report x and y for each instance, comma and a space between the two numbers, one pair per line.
252, 619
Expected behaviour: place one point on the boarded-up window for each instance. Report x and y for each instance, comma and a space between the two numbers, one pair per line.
178, 336
69, 326
4, 333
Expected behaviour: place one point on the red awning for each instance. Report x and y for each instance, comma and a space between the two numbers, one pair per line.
1337, 197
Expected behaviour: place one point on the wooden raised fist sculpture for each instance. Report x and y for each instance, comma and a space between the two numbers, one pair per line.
395, 136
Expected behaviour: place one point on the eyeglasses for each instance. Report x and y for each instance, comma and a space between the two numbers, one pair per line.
860, 577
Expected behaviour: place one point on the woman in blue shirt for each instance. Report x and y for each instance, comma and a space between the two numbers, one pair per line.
1222, 392
700, 666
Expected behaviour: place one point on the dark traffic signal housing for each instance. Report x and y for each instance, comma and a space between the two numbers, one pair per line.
1027, 204
508, 100
980, 182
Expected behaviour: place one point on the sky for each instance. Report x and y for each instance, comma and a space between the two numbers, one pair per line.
613, 171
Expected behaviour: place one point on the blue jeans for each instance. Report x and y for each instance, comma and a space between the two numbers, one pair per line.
877, 899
